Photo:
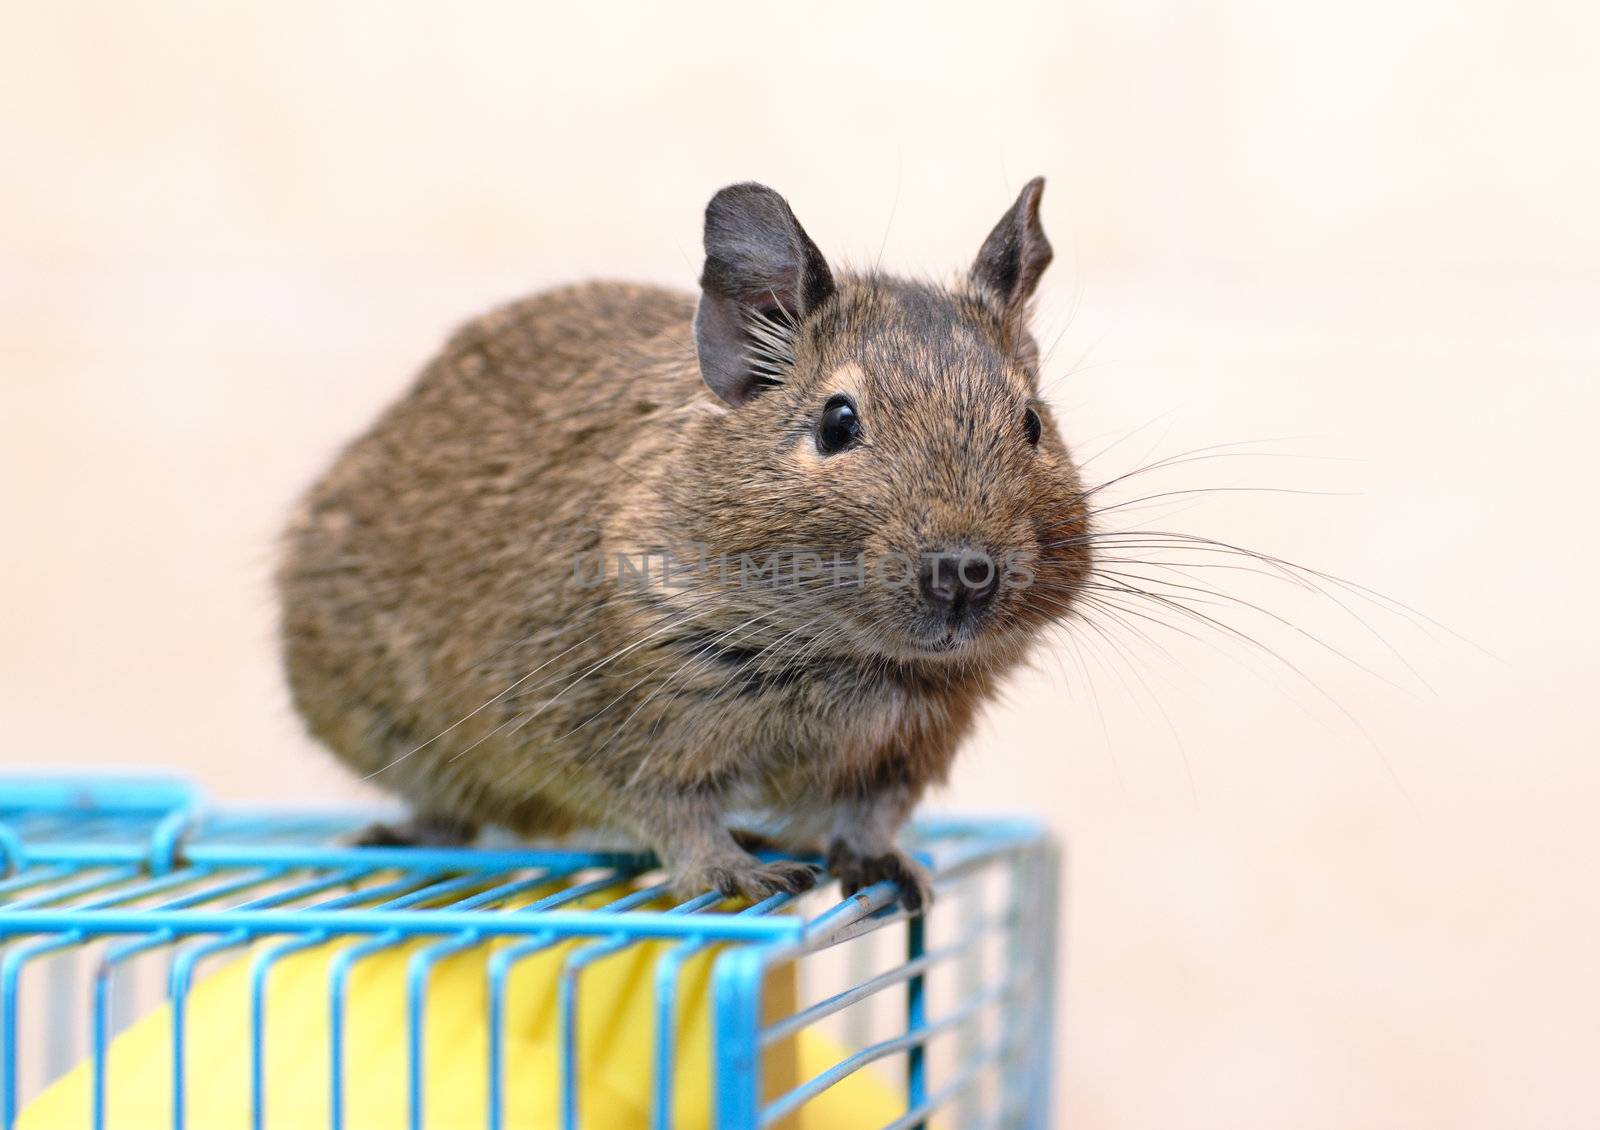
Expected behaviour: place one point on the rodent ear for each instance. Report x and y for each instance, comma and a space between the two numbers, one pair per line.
1015, 254
762, 277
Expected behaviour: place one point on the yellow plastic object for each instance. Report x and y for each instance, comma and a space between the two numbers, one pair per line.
615, 1050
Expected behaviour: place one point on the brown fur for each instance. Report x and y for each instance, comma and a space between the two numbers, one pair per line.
438, 640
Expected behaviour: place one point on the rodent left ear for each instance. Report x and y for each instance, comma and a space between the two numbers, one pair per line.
762, 277
1015, 254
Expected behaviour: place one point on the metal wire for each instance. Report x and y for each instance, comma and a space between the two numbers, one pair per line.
119, 872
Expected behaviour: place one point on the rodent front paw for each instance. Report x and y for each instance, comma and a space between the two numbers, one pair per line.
745, 876
856, 869
419, 831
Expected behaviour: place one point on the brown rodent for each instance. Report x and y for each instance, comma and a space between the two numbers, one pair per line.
869, 514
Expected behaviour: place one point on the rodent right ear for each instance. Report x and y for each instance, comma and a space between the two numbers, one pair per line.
762, 277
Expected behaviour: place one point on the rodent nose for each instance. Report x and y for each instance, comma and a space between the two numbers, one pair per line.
956, 581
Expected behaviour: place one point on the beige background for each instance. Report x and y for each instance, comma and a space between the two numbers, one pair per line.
229, 233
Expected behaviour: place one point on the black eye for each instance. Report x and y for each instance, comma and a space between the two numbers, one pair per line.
1034, 426
838, 427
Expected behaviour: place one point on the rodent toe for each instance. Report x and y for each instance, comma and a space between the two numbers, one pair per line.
856, 871
419, 831
751, 880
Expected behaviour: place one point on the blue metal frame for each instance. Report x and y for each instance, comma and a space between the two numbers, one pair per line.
121, 868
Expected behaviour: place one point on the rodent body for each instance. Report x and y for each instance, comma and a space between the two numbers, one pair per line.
475, 611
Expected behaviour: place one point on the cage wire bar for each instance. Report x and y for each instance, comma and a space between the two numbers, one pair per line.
98, 875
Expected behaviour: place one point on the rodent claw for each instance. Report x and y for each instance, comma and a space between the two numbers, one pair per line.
857, 870
752, 880
419, 831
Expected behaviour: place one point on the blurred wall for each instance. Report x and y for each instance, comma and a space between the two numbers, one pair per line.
1363, 233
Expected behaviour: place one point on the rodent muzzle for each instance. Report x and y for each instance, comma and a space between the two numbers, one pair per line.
957, 583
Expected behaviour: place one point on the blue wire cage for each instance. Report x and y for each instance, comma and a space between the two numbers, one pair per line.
122, 896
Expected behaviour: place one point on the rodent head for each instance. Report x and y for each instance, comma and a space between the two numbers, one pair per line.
887, 432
